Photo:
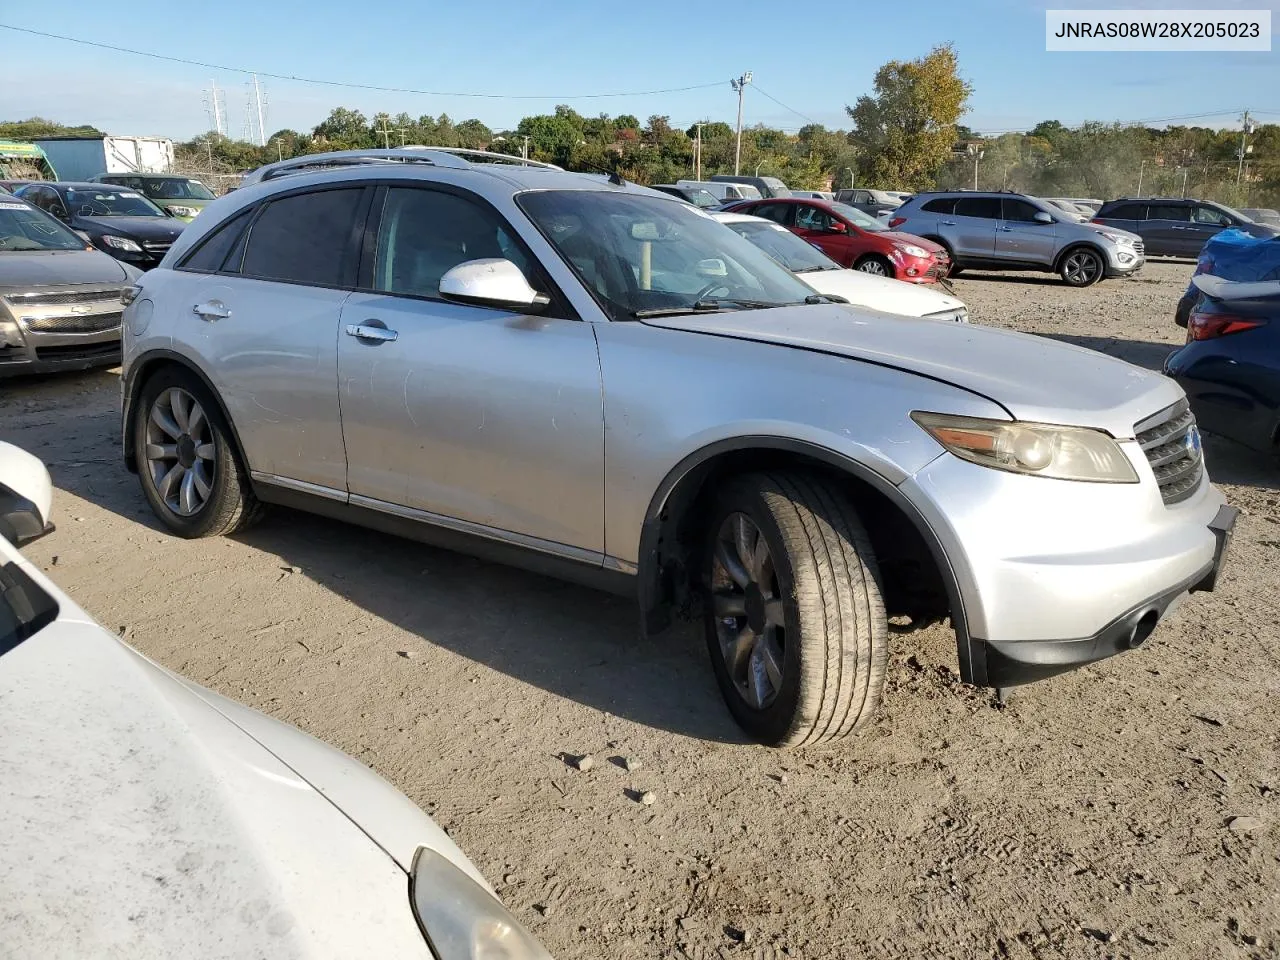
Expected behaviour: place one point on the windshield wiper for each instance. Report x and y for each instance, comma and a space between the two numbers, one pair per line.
717, 305
824, 298
814, 269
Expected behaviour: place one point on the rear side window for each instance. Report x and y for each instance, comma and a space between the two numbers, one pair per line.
940, 205
305, 238
1126, 211
210, 256
987, 208
1169, 211
777, 212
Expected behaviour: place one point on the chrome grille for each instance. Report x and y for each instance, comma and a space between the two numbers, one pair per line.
1140, 248
157, 247
88, 324
1171, 442
60, 298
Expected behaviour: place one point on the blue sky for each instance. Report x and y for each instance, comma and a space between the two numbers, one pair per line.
813, 59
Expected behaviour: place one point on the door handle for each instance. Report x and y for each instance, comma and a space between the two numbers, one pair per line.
947, 223
1007, 229
371, 333
211, 310
1180, 228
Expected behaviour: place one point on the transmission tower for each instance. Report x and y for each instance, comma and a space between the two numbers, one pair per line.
215, 107
256, 110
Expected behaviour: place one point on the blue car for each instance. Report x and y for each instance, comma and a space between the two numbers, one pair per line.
1230, 366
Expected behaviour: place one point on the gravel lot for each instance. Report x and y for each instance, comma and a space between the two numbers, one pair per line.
1091, 817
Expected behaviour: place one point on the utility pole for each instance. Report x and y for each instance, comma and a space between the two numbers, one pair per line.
1246, 128
976, 153
1142, 168
257, 105
697, 154
1185, 171
386, 134
524, 149
850, 169
739, 85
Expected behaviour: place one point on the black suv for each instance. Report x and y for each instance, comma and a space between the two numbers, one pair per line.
1174, 227
117, 220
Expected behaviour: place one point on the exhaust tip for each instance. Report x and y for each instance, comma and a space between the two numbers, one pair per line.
1143, 628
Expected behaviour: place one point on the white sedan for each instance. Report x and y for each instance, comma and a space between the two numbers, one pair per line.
826, 276
145, 816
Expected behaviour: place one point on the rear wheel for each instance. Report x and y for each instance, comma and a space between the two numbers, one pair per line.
1081, 267
186, 462
875, 265
794, 620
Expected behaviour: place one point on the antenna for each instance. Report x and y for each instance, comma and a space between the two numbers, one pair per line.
215, 107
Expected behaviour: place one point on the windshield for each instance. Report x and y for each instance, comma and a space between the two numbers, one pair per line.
701, 198
110, 203
1234, 213
23, 227
174, 188
858, 218
797, 255
776, 187
640, 256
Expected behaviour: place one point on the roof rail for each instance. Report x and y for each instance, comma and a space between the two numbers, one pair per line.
456, 158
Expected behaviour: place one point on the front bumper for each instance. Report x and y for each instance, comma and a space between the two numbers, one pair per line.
1052, 574
1011, 664
1124, 262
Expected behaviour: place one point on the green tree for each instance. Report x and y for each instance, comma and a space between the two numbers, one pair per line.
905, 131
34, 127
345, 129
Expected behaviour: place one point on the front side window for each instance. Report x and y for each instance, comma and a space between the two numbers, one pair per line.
811, 218
23, 227
424, 234
985, 208
860, 219
1208, 215
1019, 210
111, 203
305, 238
1169, 211
642, 256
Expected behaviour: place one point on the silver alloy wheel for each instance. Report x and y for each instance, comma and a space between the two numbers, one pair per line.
873, 267
749, 615
1082, 267
180, 452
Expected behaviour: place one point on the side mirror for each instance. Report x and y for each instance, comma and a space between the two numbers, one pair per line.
491, 283
1041, 217
837, 227
26, 496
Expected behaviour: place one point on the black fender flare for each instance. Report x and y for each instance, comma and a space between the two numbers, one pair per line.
650, 591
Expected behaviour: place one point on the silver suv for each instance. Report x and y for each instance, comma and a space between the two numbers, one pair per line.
1010, 231
595, 380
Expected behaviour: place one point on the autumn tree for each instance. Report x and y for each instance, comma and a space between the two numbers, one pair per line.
905, 131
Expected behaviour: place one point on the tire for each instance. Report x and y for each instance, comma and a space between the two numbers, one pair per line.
876, 265
172, 439
1081, 267
810, 611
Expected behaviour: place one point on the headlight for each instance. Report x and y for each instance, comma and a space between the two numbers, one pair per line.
121, 243
462, 920
184, 211
1117, 237
911, 250
1037, 449
958, 315
10, 335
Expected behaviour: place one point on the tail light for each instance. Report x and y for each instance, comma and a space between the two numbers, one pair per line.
1209, 326
897, 221
1204, 264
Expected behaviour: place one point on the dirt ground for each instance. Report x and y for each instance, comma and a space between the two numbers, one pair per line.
1088, 818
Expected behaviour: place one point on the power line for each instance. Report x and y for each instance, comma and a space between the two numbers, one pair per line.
356, 86
784, 106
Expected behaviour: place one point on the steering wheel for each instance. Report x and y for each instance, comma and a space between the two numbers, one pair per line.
708, 288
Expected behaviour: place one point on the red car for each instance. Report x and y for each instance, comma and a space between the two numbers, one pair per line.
854, 239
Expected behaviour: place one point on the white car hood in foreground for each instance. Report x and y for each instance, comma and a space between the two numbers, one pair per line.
139, 820
881, 293
1034, 378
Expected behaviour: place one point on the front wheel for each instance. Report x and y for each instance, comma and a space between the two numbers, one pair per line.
186, 463
794, 620
875, 265
1080, 268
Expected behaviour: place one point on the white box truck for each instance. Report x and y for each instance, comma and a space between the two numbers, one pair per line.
79, 158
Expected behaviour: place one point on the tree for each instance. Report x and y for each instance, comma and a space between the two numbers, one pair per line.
906, 130
473, 134
34, 127
345, 129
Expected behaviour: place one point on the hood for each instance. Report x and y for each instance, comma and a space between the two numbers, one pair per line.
137, 228
880, 293
131, 793
898, 236
1107, 228
1034, 378
46, 268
